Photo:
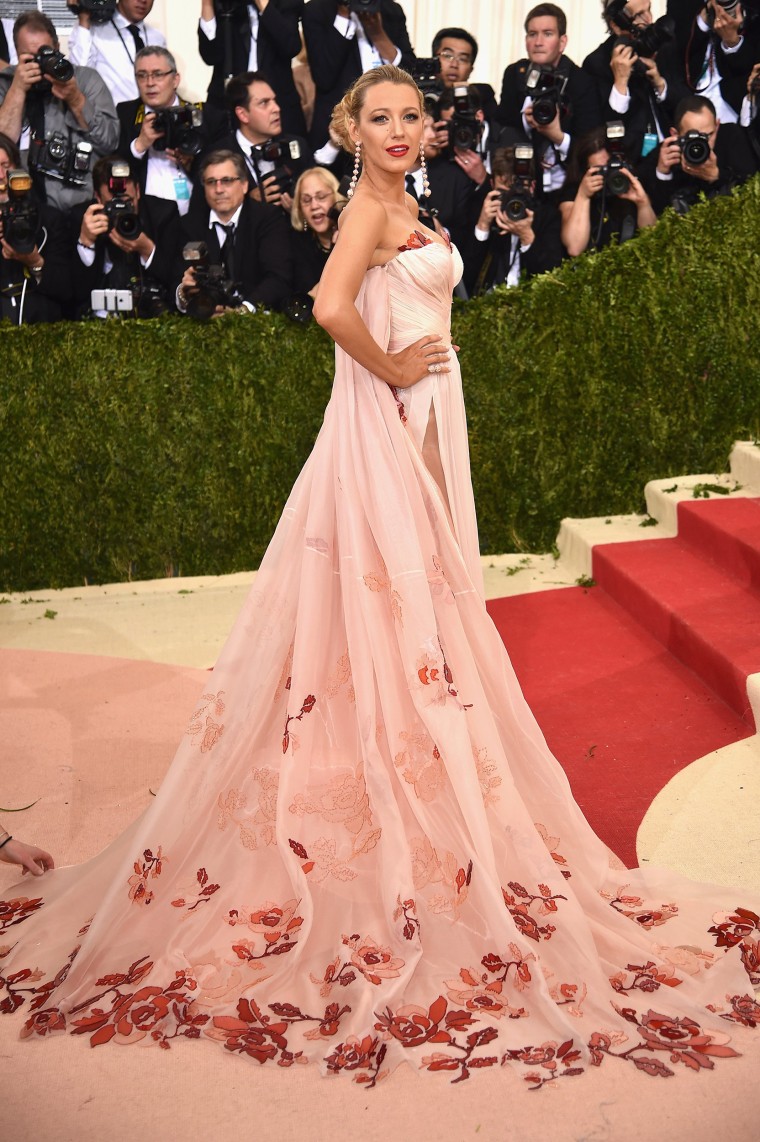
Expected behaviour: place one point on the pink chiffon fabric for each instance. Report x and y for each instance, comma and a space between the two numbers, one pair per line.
364, 851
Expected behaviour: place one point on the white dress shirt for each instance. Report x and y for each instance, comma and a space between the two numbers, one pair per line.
350, 26
110, 50
209, 29
165, 178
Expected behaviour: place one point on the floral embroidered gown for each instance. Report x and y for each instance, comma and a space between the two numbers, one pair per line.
364, 851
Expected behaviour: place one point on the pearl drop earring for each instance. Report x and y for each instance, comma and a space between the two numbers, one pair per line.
425, 180
355, 175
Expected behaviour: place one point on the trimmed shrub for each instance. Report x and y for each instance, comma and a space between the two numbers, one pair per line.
139, 449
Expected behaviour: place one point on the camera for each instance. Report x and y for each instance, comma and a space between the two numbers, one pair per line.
213, 287
546, 88
426, 73
518, 200
647, 39
120, 212
360, 6
56, 158
19, 215
53, 64
179, 129
616, 181
279, 152
464, 126
99, 11
298, 308
728, 6
695, 147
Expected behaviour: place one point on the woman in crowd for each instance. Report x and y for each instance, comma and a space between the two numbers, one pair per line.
316, 206
594, 211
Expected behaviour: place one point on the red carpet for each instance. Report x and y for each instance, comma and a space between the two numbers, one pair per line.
633, 679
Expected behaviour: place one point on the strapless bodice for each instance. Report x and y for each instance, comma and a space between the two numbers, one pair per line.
420, 284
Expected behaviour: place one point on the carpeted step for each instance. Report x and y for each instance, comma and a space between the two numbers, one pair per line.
621, 714
681, 592
727, 533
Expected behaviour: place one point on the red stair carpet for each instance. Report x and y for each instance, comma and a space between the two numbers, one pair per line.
633, 679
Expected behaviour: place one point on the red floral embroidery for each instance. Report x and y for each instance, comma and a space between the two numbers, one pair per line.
548, 1056
254, 1034
209, 729
744, 1010
527, 925
151, 867
399, 403
328, 1024
735, 928
206, 892
17, 910
407, 909
307, 706
416, 241
646, 977
633, 908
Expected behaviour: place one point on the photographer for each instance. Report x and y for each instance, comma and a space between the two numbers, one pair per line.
110, 46
126, 241
516, 235
234, 37
594, 206
248, 240
548, 97
700, 156
718, 43
637, 72
456, 50
453, 196
34, 263
61, 117
274, 159
344, 40
163, 134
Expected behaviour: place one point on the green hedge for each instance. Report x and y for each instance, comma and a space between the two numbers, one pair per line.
138, 449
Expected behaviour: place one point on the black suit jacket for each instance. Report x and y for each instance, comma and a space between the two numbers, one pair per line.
262, 259
453, 196
644, 112
160, 221
737, 161
335, 61
215, 124
486, 264
692, 42
277, 43
584, 110
43, 299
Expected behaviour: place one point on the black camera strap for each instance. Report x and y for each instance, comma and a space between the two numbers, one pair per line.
35, 117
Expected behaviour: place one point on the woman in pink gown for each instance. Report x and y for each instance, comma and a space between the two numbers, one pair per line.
364, 851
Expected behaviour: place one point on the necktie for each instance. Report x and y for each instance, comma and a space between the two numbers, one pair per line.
135, 33
229, 245
410, 187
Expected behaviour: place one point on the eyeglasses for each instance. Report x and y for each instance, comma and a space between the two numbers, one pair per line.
226, 181
143, 76
449, 56
307, 199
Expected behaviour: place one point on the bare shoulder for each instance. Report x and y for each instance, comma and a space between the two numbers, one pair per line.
362, 211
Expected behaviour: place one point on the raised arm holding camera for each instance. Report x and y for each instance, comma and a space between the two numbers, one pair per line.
701, 155
274, 159
234, 36
108, 35
603, 200
127, 242
547, 97
343, 41
638, 72
61, 117
163, 134
718, 42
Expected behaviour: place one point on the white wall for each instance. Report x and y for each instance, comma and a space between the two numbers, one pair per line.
496, 24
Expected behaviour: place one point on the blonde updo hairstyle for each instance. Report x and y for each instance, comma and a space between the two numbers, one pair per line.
297, 220
352, 102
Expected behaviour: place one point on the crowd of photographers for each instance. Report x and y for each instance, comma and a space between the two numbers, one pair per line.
120, 196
